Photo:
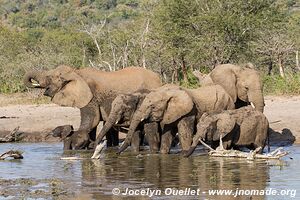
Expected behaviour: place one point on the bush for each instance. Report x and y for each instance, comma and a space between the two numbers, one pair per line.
192, 81
276, 85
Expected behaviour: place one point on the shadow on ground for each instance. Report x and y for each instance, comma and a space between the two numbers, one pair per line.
281, 138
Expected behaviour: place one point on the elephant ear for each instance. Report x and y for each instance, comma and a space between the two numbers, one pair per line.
179, 105
227, 79
75, 91
225, 124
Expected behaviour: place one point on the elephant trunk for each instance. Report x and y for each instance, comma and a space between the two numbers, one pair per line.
133, 126
256, 98
142, 113
190, 151
201, 131
107, 126
37, 76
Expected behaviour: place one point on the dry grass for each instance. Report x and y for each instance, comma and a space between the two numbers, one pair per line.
34, 97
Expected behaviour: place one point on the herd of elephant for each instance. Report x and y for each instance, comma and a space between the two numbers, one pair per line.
229, 106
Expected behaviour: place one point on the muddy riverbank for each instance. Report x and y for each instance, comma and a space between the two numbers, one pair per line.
35, 121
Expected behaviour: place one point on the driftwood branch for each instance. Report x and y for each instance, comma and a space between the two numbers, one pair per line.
221, 152
11, 154
276, 154
206, 145
98, 149
13, 136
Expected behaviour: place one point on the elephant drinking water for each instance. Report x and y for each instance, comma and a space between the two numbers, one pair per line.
92, 91
176, 109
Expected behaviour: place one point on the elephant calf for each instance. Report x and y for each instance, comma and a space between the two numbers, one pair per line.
243, 127
123, 107
64, 132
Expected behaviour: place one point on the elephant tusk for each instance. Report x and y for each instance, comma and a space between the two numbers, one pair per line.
253, 106
142, 119
117, 122
36, 84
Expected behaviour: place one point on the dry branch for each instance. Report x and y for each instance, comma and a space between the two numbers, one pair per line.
221, 152
276, 154
13, 136
72, 158
99, 149
12, 154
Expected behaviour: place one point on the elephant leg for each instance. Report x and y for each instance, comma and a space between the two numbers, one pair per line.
152, 136
261, 135
68, 143
185, 132
90, 117
112, 137
167, 137
135, 142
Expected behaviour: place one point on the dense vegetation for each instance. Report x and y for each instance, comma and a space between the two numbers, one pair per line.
171, 37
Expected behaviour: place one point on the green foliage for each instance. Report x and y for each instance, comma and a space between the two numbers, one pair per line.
192, 81
40, 49
171, 37
276, 85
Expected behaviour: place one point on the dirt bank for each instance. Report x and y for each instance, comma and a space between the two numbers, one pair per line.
37, 120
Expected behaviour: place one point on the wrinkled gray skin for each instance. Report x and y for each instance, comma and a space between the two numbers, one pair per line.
92, 91
123, 108
242, 83
64, 132
176, 109
243, 127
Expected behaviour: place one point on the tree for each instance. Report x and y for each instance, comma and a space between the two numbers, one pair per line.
275, 47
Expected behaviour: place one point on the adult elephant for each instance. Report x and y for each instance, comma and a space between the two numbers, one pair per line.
176, 109
92, 91
242, 83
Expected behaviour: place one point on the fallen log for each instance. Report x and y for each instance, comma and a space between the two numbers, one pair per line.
11, 154
13, 136
72, 158
221, 152
276, 154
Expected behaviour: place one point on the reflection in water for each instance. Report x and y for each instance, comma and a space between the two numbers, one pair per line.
97, 178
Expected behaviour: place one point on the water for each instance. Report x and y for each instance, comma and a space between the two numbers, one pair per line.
42, 174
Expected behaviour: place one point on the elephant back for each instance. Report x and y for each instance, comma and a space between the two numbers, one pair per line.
211, 98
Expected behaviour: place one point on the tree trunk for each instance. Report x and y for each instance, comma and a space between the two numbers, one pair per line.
270, 67
297, 60
175, 72
281, 68
184, 69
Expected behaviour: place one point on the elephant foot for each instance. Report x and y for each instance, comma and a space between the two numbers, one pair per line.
135, 149
154, 150
164, 151
184, 152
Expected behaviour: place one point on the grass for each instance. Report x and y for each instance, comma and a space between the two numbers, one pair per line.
23, 99
276, 85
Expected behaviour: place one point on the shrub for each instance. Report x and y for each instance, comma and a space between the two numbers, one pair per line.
276, 85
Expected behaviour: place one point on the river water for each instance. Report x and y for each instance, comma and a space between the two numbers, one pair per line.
42, 174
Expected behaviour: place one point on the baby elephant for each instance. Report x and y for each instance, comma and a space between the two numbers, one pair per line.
243, 127
64, 133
